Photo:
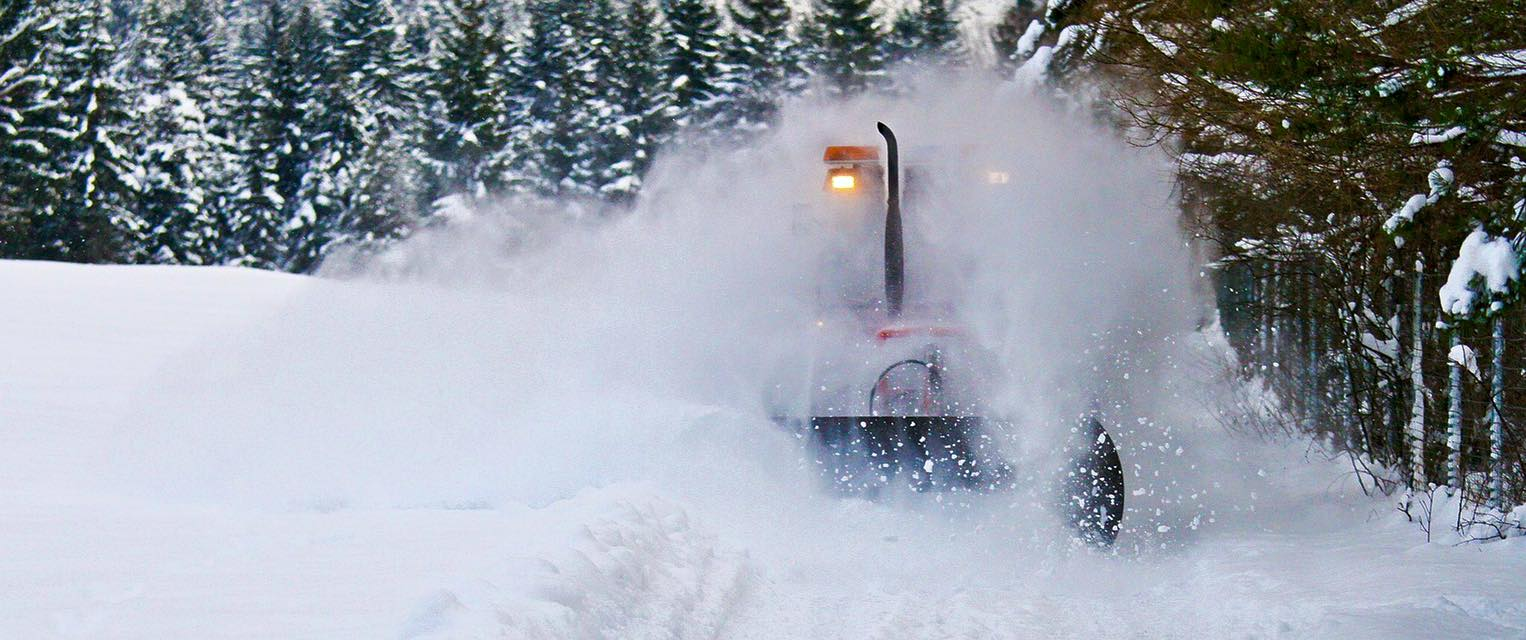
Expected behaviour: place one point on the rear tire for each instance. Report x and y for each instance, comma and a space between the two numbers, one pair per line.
1094, 491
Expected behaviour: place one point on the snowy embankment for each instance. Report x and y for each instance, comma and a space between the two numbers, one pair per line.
95, 545
100, 541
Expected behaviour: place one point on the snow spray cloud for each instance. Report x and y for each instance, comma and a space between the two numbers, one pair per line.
1075, 271
522, 352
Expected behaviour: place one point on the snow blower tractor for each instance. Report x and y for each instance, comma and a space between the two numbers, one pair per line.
895, 391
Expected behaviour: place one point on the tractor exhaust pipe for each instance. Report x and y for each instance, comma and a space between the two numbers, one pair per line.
895, 248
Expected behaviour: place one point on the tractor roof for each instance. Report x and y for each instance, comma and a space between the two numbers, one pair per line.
842, 154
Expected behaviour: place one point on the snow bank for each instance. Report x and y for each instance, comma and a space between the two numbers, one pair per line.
635, 569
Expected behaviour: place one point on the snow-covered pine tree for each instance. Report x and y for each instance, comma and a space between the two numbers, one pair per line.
853, 58
273, 208
470, 101
631, 141
419, 39
806, 55
926, 33
560, 97
178, 68
22, 29
906, 37
1007, 35
759, 56
1068, 42
91, 217
695, 65
586, 109
255, 206
311, 218
368, 168
202, 55
941, 43
763, 33
373, 61
31, 122
536, 66
124, 19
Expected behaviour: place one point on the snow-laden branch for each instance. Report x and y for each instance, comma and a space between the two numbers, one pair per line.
1028, 44
1202, 162
1441, 180
1483, 259
1437, 135
1511, 138
1056, 9
1166, 47
1405, 12
1035, 71
1499, 65
1289, 242
1395, 17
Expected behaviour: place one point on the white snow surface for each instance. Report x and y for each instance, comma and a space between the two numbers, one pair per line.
524, 426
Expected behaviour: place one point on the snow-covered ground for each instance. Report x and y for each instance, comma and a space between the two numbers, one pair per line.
101, 540
571, 442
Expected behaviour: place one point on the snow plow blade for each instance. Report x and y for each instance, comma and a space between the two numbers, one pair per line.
865, 453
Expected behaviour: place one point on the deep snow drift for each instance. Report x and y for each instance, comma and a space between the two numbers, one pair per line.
526, 424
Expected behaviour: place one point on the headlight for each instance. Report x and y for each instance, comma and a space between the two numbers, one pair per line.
845, 180
997, 177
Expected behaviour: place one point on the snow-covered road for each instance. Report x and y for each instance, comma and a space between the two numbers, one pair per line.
118, 522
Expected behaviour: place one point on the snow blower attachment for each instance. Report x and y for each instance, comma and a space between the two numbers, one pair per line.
920, 419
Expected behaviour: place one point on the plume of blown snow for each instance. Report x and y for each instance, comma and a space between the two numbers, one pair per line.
527, 350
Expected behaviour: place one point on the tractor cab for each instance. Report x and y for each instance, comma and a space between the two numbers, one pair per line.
856, 178
854, 187
890, 388
854, 172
